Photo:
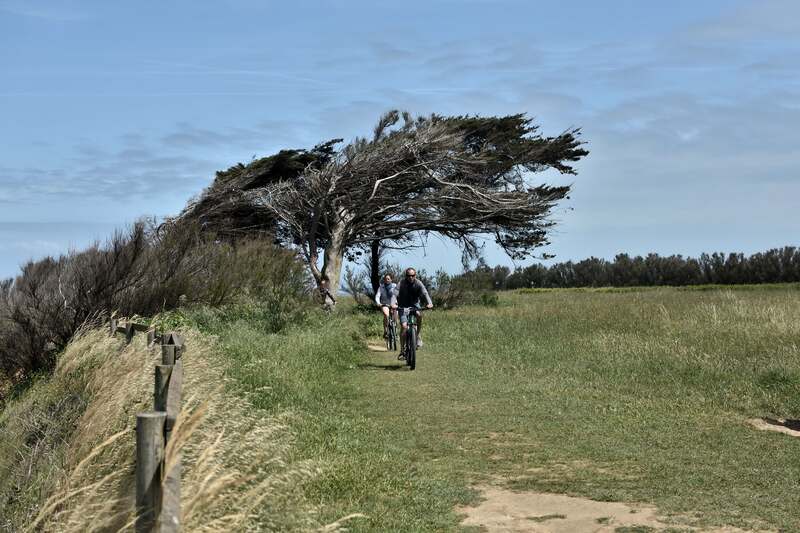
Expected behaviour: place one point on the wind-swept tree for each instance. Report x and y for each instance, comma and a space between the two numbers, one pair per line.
459, 176
225, 208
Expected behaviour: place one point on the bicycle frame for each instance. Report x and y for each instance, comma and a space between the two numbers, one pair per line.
391, 331
410, 340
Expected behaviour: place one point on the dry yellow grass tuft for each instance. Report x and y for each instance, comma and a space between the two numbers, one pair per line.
236, 475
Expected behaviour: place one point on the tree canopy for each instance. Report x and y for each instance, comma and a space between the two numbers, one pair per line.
457, 176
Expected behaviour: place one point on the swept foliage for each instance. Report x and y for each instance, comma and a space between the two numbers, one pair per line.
455, 176
225, 209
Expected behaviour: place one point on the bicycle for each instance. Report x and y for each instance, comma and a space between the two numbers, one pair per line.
410, 349
391, 332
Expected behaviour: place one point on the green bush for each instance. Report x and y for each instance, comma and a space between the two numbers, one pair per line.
449, 291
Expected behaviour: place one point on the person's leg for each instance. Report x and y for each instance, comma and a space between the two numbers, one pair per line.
385, 320
419, 329
403, 328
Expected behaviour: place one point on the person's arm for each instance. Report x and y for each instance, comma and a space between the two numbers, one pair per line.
393, 293
426, 295
378, 296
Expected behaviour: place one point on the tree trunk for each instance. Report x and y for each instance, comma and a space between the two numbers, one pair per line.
375, 265
334, 269
334, 257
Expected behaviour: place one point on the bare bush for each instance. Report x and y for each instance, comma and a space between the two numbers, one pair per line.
355, 284
142, 271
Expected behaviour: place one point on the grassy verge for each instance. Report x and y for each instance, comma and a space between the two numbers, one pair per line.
365, 465
640, 397
35, 425
68, 448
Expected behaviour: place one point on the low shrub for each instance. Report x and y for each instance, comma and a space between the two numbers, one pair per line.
142, 271
355, 283
449, 291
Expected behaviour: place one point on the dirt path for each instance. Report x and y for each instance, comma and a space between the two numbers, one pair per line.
375, 346
507, 511
779, 425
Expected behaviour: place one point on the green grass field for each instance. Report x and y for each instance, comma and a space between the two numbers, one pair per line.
619, 396
634, 396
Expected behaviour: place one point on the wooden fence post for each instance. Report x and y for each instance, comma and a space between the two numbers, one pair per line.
149, 461
113, 326
168, 391
163, 373
168, 354
129, 332
158, 478
174, 391
171, 347
170, 519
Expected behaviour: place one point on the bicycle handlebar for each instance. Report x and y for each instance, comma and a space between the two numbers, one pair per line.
414, 307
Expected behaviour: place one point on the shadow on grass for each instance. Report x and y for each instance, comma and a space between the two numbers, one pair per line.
794, 425
372, 366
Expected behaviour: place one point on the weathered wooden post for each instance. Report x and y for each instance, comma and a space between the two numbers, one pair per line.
129, 332
167, 397
171, 348
113, 326
149, 461
170, 520
168, 354
163, 373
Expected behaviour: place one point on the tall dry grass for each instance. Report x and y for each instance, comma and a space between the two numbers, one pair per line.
237, 470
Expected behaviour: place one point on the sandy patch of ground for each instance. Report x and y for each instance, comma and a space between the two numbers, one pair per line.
507, 511
504, 510
781, 425
376, 347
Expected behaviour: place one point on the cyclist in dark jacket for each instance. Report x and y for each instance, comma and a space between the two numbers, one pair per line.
410, 292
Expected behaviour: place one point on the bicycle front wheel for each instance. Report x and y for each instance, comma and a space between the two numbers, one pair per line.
411, 347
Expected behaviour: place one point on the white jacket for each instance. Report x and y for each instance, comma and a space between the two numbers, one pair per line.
386, 294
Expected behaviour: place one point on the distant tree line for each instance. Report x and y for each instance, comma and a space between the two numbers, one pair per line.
779, 265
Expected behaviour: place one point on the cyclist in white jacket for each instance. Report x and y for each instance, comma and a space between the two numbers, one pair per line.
386, 299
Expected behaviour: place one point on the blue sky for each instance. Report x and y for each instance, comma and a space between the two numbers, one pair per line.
110, 111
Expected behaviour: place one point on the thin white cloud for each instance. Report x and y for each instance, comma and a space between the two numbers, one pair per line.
61, 11
181, 162
755, 20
